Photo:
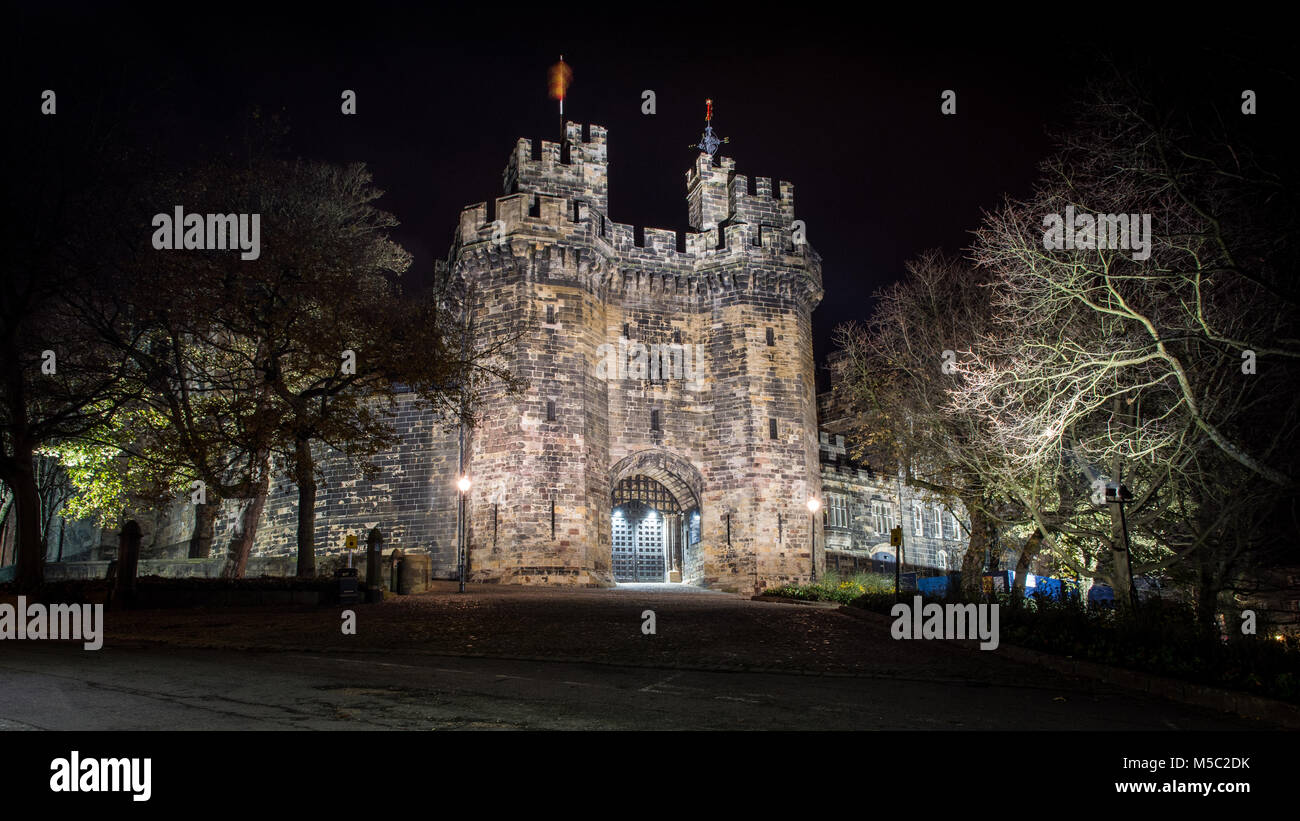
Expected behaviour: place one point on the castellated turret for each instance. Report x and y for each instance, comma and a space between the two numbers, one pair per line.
667, 431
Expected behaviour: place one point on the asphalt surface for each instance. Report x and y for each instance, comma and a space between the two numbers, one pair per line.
59, 688
549, 659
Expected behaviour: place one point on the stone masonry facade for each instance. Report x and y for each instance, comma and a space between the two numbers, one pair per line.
863, 504
546, 266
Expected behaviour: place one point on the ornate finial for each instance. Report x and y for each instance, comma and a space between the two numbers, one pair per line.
709, 142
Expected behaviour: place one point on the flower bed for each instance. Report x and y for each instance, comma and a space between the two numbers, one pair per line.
834, 588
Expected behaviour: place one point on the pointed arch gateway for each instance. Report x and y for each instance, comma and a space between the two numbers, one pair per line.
655, 518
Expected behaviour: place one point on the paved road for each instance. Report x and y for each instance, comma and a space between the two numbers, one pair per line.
59, 687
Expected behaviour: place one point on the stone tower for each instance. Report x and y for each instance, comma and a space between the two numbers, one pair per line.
714, 447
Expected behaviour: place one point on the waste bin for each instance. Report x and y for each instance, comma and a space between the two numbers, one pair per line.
348, 587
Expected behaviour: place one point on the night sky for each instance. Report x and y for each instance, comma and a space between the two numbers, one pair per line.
846, 108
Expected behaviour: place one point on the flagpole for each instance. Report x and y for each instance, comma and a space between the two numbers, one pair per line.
560, 77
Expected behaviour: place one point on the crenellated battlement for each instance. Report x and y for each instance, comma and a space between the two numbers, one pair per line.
717, 195
577, 220
761, 207
558, 194
575, 169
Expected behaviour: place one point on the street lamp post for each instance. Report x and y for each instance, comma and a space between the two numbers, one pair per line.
813, 506
463, 484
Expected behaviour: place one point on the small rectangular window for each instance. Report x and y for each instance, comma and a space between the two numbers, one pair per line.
771, 337
654, 420
918, 524
550, 314
932, 522
771, 428
627, 331
837, 508
677, 337
883, 514
550, 410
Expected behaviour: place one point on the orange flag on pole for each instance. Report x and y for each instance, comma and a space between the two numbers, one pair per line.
561, 76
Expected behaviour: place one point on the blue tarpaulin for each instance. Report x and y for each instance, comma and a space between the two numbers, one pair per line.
1101, 594
1144, 587
938, 586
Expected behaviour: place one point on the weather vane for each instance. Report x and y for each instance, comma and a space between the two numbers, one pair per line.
709, 142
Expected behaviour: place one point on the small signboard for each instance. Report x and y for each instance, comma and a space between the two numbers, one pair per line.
351, 541
907, 582
896, 537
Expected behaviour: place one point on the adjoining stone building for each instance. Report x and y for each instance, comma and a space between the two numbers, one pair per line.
864, 502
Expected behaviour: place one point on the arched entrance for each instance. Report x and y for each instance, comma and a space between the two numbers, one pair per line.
654, 518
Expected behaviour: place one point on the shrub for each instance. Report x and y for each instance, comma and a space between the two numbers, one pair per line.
835, 588
1164, 638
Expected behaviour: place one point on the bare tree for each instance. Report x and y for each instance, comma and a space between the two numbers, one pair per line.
896, 374
1135, 362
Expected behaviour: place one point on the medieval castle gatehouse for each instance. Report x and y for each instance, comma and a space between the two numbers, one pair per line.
667, 430
695, 466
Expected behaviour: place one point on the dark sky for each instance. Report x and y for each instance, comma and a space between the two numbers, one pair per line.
846, 107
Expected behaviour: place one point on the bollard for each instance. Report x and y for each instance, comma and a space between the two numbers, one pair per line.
395, 560
413, 576
374, 571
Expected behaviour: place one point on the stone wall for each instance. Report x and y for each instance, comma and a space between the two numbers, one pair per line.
412, 498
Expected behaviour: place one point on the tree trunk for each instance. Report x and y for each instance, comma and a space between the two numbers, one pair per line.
48, 506
1120, 572
205, 524
4, 530
972, 564
128, 563
1121, 569
1216, 559
241, 544
1207, 597
305, 476
1209, 583
1027, 555
30, 572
